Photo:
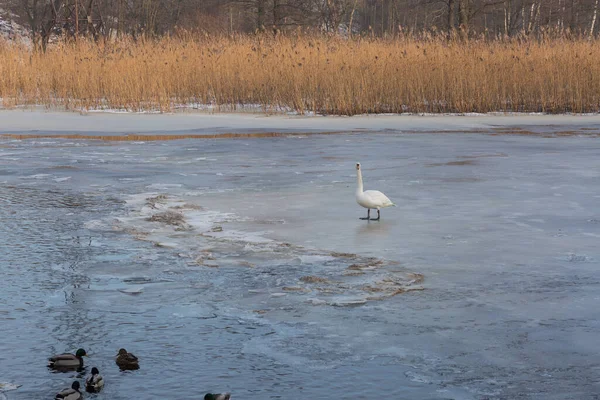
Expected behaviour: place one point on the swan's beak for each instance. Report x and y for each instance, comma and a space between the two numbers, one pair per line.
357, 166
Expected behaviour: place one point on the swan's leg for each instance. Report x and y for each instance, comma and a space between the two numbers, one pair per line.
368, 214
378, 216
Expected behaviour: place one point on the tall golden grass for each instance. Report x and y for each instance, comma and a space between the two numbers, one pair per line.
308, 74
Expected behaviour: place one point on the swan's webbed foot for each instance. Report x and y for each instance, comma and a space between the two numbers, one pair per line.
368, 217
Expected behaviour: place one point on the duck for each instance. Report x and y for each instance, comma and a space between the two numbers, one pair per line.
94, 383
71, 393
370, 199
67, 361
217, 396
127, 361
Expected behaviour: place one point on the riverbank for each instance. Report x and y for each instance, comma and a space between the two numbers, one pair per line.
36, 121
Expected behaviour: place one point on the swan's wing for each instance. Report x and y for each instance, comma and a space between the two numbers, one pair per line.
378, 198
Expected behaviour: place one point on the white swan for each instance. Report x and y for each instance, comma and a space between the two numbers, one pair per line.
370, 198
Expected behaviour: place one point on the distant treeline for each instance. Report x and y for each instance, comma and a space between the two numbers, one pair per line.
491, 19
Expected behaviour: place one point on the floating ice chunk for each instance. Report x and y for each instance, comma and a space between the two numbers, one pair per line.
193, 311
415, 377
590, 234
203, 221
164, 185
132, 290
314, 258
37, 176
131, 179
316, 302
8, 386
348, 302
250, 237
210, 263
577, 258
97, 225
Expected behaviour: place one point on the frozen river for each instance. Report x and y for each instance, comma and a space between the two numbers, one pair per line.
241, 264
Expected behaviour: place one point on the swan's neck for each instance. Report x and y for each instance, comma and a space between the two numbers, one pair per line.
359, 187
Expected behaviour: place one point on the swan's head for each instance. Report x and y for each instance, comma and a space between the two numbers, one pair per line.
358, 166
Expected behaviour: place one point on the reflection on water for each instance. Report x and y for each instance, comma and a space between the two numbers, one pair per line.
372, 229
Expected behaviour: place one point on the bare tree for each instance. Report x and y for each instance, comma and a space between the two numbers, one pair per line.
96, 18
594, 17
39, 16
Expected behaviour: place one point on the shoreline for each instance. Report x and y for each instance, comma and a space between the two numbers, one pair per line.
199, 124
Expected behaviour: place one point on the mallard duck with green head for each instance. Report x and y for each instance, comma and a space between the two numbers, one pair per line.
94, 383
127, 361
67, 361
217, 396
71, 393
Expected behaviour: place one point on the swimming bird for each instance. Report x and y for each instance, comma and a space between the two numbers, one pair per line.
94, 383
127, 361
67, 361
71, 393
370, 198
217, 396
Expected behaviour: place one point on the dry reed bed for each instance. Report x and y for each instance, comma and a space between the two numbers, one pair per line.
323, 75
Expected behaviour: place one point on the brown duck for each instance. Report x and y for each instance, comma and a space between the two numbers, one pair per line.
127, 361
